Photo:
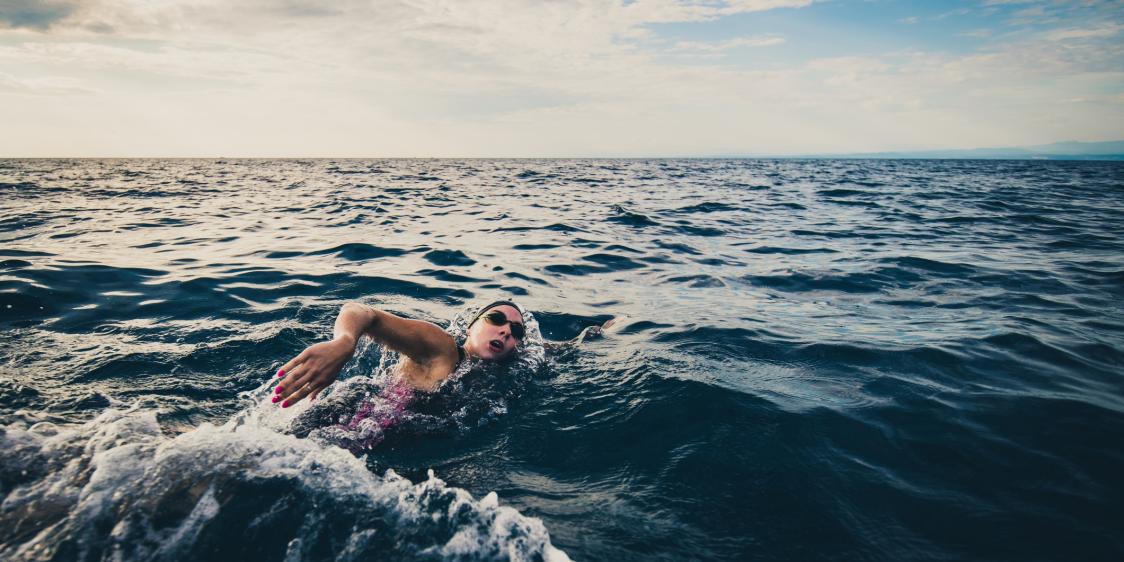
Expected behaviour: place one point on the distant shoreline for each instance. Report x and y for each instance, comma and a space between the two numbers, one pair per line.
1039, 158
1058, 151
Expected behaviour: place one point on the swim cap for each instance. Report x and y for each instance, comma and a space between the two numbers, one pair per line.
492, 305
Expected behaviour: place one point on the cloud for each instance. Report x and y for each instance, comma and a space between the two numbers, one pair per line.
737, 42
525, 78
1095, 32
50, 86
952, 13
1028, 16
33, 14
443, 46
142, 16
980, 33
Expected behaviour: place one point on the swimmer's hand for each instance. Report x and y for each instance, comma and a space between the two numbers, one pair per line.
313, 370
594, 332
589, 333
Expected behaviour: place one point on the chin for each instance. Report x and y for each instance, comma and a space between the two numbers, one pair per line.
498, 357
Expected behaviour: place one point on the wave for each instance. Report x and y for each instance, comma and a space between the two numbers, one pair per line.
119, 487
839, 345
620, 214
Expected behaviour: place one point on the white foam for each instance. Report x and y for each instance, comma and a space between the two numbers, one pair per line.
118, 488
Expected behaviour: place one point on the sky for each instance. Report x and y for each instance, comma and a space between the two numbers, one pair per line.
553, 78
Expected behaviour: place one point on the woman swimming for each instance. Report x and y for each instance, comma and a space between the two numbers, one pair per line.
429, 353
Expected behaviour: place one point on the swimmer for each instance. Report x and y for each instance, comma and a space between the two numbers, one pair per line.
429, 353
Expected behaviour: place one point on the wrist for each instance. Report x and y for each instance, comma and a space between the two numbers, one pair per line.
349, 339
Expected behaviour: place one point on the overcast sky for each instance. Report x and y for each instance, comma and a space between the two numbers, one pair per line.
553, 77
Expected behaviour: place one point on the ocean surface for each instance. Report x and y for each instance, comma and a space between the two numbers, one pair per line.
813, 360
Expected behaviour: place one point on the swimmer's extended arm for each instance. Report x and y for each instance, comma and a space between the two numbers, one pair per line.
589, 333
421, 341
318, 365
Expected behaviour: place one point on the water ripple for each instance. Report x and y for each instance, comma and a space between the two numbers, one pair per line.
917, 359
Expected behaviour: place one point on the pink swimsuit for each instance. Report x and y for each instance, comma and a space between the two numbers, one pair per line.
394, 399
387, 409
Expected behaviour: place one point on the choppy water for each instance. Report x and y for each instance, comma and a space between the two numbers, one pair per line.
817, 360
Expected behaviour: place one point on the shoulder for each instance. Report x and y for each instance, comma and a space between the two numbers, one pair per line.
429, 375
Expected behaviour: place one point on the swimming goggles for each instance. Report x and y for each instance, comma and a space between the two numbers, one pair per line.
498, 318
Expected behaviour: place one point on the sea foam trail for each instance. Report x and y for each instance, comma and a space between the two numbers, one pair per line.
118, 488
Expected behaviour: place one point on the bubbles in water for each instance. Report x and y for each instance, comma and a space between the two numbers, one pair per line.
253, 488
118, 488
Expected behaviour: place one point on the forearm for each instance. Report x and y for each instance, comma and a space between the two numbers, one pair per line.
319, 364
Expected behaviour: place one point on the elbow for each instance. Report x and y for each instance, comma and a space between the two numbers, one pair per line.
367, 315
356, 307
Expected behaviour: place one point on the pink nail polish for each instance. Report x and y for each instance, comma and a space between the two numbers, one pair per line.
279, 389
280, 373
285, 404
276, 398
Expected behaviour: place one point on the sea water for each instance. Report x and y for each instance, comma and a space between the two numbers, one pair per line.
813, 359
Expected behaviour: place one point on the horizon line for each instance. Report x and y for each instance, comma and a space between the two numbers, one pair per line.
859, 156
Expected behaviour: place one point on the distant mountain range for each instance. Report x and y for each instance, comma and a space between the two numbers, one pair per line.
1069, 150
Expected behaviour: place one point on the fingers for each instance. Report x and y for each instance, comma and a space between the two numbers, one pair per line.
310, 372
615, 324
299, 395
291, 377
292, 382
299, 383
590, 333
292, 363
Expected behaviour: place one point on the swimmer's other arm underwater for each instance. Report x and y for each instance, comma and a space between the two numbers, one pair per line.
429, 353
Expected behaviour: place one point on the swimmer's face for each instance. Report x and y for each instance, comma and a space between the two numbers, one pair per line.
491, 338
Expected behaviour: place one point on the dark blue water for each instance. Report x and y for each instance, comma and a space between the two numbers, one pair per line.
815, 360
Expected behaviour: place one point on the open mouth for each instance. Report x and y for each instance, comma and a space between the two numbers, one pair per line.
496, 346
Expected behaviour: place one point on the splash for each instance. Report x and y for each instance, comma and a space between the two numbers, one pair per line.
368, 405
118, 488
530, 353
